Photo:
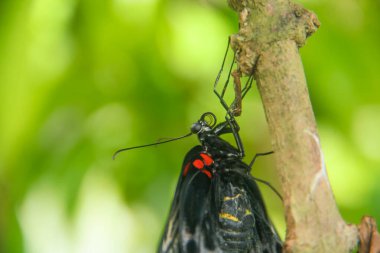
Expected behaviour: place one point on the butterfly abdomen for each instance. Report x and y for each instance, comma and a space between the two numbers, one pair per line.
236, 220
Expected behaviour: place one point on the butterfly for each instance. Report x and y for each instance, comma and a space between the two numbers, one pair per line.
217, 205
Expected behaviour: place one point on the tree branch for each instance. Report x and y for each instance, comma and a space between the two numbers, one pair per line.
271, 31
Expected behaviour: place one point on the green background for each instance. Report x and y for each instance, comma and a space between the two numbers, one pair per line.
81, 79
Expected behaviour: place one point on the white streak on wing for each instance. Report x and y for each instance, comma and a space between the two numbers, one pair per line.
167, 240
172, 227
186, 237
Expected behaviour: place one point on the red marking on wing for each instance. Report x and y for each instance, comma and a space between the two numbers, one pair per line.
198, 164
207, 159
186, 169
208, 173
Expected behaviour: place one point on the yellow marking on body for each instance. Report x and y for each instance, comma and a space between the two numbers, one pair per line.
230, 198
228, 217
247, 212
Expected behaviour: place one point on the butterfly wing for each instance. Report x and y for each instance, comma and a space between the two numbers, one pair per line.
222, 213
188, 228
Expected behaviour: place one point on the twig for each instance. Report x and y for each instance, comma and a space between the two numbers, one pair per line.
271, 32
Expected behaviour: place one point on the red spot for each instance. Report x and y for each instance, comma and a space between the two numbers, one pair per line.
208, 173
186, 169
198, 164
207, 159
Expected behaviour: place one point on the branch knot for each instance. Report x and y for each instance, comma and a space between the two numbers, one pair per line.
264, 22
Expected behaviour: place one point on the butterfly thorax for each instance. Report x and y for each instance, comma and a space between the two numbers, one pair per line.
218, 148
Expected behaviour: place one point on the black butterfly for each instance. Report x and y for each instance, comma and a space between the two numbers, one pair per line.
217, 205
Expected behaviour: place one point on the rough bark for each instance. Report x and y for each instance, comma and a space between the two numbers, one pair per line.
270, 34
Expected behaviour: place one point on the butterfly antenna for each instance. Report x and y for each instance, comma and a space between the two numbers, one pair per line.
151, 144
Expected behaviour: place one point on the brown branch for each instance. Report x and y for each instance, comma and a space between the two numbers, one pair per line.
369, 237
271, 31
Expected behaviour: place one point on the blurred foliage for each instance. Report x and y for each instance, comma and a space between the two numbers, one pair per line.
80, 79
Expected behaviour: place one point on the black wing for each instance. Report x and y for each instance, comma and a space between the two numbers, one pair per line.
188, 228
225, 213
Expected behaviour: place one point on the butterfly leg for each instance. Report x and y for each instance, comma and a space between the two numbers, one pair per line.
257, 155
222, 93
